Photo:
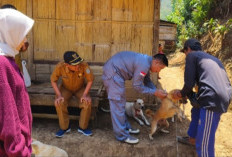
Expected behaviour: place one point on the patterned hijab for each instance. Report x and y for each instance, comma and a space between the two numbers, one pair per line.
14, 26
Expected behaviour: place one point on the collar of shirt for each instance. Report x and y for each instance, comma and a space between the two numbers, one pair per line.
69, 71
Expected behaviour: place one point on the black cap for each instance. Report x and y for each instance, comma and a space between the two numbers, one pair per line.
72, 58
8, 6
193, 44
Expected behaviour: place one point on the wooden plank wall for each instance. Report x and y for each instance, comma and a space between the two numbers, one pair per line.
167, 32
168, 36
96, 29
19, 4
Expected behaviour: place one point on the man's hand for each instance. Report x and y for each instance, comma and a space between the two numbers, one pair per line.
85, 99
59, 100
161, 93
177, 94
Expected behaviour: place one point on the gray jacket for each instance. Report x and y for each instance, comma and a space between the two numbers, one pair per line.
131, 65
214, 88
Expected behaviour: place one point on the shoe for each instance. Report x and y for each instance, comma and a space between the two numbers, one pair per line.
61, 132
186, 140
133, 131
86, 132
131, 140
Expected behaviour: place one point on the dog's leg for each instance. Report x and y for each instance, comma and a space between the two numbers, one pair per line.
173, 118
165, 127
144, 118
153, 129
173, 111
183, 113
179, 115
138, 120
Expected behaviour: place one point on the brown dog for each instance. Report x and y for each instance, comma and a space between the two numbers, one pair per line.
169, 107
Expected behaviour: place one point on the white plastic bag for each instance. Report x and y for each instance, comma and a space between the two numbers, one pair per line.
27, 78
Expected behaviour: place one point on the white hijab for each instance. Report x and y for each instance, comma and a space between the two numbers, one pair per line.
14, 26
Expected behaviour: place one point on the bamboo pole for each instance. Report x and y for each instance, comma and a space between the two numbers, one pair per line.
31, 67
156, 26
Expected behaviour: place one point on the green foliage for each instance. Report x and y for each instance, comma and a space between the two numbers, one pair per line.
214, 27
211, 25
166, 9
222, 30
176, 17
200, 10
229, 23
189, 15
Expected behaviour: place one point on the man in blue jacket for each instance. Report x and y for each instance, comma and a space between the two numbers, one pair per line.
126, 66
211, 99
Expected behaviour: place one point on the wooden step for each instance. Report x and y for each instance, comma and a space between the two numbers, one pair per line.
43, 95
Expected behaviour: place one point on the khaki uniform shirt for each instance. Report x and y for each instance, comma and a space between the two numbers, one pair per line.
72, 81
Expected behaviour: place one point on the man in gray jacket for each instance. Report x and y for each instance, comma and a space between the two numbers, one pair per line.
210, 100
124, 66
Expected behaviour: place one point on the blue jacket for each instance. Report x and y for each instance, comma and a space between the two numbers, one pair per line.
214, 88
131, 65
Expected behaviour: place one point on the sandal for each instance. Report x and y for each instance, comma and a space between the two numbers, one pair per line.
185, 140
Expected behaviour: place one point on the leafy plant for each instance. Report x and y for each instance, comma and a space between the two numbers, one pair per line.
189, 15
229, 23
214, 27
210, 26
223, 29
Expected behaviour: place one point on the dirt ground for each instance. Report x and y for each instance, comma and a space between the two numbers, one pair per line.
103, 143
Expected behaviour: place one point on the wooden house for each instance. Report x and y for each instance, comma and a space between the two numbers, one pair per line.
168, 36
96, 29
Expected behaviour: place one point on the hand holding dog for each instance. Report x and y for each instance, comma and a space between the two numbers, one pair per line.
161, 93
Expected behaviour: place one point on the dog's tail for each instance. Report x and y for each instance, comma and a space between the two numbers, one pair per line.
149, 113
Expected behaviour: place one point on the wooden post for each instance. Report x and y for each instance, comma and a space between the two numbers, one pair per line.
30, 57
156, 26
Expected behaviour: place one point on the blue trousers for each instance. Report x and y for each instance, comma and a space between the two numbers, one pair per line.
203, 127
115, 88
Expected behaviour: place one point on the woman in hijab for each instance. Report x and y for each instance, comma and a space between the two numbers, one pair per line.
15, 111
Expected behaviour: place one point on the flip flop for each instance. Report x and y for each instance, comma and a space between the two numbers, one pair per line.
184, 140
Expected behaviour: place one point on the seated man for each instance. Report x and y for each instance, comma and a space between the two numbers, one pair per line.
73, 72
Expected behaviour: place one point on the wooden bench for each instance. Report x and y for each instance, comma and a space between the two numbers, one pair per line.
42, 95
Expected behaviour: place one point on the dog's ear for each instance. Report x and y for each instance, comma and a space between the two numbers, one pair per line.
183, 101
140, 101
